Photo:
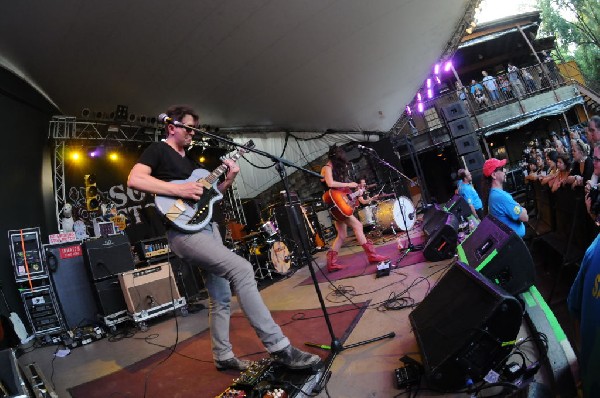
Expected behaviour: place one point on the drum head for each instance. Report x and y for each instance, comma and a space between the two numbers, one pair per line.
404, 205
279, 255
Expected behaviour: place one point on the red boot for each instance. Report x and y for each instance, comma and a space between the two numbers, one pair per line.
332, 264
371, 254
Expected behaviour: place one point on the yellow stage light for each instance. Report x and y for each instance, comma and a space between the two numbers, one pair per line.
202, 159
114, 156
75, 155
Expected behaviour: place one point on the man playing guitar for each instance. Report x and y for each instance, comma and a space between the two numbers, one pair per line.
342, 201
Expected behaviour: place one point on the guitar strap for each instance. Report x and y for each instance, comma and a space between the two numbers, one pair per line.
25, 260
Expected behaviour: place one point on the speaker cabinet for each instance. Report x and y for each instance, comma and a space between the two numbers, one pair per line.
148, 287
459, 206
460, 327
474, 161
108, 256
435, 220
109, 296
72, 283
453, 111
11, 381
466, 144
442, 243
500, 254
460, 127
430, 212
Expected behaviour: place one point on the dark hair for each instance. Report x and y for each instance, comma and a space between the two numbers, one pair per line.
462, 173
566, 160
552, 155
339, 169
178, 112
596, 120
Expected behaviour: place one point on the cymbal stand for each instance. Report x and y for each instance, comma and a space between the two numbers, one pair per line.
259, 271
280, 163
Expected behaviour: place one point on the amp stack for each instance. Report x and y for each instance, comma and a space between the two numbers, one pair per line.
464, 138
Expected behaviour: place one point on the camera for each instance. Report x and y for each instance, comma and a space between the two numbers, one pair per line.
594, 195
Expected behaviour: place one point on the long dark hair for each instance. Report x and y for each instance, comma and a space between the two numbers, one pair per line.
339, 163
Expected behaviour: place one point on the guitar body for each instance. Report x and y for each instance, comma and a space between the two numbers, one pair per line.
185, 214
342, 200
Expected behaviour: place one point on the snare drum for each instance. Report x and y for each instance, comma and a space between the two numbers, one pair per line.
269, 228
389, 214
366, 215
279, 255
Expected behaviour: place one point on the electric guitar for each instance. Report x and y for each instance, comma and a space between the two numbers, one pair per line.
188, 215
342, 199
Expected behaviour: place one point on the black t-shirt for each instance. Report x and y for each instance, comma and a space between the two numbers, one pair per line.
166, 163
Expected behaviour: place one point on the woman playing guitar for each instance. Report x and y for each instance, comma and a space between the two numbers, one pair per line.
342, 201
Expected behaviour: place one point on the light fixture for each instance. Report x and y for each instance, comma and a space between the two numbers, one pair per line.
85, 112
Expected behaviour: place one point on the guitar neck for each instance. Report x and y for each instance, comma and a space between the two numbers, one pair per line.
214, 176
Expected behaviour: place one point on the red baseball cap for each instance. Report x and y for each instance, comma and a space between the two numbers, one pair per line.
492, 164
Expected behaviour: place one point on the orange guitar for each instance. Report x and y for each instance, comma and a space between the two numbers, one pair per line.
343, 200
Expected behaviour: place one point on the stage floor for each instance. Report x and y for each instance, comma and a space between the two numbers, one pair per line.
363, 371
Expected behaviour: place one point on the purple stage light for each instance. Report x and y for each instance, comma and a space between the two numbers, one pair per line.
448, 66
436, 69
429, 93
408, 111
420, 107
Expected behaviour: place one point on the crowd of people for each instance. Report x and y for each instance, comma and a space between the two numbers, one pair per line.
512, 83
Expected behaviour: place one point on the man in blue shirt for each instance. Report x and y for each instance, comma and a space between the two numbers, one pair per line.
467, 191
500, 203
584, 303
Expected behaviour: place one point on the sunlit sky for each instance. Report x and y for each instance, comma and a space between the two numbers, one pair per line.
496, 9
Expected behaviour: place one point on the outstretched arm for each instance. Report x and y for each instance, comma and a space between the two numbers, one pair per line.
140, 178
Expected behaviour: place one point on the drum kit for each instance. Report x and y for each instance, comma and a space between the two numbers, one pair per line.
265, 250
389, 214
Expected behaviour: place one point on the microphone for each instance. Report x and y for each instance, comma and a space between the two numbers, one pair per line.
365, 147
169, 120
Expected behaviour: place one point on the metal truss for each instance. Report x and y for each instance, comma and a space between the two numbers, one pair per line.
67, 128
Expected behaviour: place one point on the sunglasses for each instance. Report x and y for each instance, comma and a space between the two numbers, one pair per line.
187, 129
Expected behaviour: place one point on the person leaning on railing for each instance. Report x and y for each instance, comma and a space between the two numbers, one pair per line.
583, 166
563, 167
551, 160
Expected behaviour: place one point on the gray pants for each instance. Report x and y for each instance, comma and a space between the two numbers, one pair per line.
220, 268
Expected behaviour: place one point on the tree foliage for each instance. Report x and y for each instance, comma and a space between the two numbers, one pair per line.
576, 25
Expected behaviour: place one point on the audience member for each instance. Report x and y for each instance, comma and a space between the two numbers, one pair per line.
480, 98
551, 160
583, 166
505, 87
467, 191
529, 82
563, 169
490, 84
515, 81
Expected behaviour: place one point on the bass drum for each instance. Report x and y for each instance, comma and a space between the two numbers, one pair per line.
389, 214
279, 256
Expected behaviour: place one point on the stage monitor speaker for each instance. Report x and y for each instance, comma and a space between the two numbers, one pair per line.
149, 287
109, 296
453, 111
430, 212
466, 144
460, 127
108, 256
500, 254
461, 327
458, 206
435, 221
442, 243
72, 284
474, 161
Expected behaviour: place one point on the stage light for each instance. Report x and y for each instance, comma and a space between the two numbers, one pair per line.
437, 79
202, 159
419, 97
75, 155
114, 156
429, 93
93, 153
408, 110
428, 83
436, 69
420, 107
448, 66
85, 112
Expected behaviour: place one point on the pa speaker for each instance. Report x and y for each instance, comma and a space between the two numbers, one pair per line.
148, 287
500, 254
430, 211
72, 284
453, 111
108, 256
466, 144
461, 326
442, 243
460, 127
474, 161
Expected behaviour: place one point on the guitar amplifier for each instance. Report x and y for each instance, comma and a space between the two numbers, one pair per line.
152, 250
149, 287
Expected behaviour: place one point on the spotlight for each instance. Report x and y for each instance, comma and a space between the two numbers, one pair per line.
448, 66
114, 156
85, 112
143, 118
99, 115
131, 117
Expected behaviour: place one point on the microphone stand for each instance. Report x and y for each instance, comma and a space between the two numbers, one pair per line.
410, 247
336, 346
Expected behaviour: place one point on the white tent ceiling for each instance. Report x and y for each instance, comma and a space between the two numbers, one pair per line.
303, 65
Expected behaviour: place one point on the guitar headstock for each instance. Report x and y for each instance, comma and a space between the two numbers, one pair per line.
235, 155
